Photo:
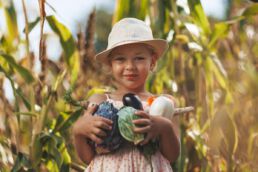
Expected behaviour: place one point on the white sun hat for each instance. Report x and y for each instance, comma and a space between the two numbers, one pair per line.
130, 31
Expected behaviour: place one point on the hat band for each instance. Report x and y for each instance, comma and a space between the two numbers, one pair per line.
126, 41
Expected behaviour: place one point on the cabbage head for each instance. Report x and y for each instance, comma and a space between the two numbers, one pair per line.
125, 117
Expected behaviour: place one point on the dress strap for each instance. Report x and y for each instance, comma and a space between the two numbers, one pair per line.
108, 97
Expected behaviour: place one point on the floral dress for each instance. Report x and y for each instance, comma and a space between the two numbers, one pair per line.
128, 158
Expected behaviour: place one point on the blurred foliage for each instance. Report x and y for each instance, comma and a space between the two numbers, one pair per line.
210, 64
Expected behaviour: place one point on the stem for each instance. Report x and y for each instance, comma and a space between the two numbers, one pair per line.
42, 21
175, 17
31, 89
77, 167
27, 32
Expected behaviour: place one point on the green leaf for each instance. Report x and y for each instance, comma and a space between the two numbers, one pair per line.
66, 120
230, 133
198, 15
25, 74
220, 31
95, 91
11, 22
32, 24
24, 99
161, 16
21, 162
37, 150
51, 147
219, 71
122, 10
251, 11
68, 44
143, 9
52, 166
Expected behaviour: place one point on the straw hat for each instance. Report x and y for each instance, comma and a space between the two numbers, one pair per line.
130, 31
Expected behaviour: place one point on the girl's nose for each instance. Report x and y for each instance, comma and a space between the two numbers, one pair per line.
130, 65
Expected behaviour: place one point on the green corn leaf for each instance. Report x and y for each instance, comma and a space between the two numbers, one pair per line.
50, 144
248, 12
220, 31
66, 120
11, 22
17, 91
37, 150
66, 159
219, 71
25, 74
122, 9
24, 99
251, 11
230, 133
32, 24
143, 9
162, 16
52, 165
21, 162
95, 91
198, 15
68, 44
8, 70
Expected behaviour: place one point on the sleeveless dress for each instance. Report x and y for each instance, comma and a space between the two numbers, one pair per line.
128, 158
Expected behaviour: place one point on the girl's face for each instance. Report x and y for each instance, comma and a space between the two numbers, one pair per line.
130, 65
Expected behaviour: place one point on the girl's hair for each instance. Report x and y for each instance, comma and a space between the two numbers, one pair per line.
149, 47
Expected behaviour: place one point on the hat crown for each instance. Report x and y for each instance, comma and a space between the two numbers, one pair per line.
129, 30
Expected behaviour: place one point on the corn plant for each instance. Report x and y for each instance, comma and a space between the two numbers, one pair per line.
210, 64
201, 68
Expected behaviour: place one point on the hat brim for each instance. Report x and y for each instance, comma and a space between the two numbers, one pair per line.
159, 45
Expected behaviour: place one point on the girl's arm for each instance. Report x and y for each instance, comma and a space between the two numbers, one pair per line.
83, 149
169, 140
162, 128
169, 135
89, 127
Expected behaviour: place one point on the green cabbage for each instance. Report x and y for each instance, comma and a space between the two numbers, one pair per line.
125, 125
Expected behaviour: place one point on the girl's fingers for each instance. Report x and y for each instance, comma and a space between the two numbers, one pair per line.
104, 123
142, 114
142, 129
142, 122
104, 126
91, 109
146, 140
96, 139
105, 120
100, 132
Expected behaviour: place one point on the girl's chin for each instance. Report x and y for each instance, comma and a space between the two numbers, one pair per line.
133, 87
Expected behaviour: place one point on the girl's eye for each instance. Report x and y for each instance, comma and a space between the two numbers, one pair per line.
119, 59
140, 58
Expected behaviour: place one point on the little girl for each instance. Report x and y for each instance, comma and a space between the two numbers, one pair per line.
131, 54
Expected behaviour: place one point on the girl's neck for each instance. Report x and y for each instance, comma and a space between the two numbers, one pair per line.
143, 94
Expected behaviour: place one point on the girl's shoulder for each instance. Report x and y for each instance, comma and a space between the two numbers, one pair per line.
97, 98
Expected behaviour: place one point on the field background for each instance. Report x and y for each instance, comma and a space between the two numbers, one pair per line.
211, 64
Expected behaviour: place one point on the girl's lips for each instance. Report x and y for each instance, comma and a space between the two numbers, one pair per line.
130, 76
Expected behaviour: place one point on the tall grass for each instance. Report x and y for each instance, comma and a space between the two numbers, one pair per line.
210, 64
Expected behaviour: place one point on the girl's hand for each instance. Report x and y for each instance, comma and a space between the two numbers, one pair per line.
152, 126
92, 127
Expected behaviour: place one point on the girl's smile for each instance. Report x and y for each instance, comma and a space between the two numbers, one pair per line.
130, 77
